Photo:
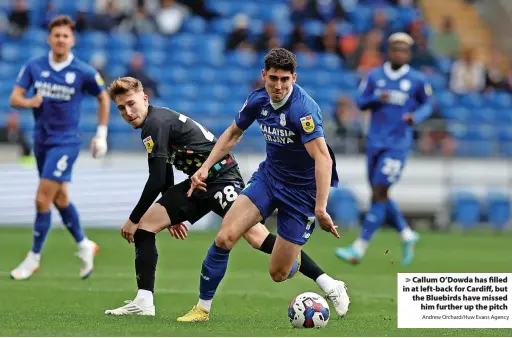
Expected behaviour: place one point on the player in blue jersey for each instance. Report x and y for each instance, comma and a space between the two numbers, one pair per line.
295, 179
60, 81
399, 98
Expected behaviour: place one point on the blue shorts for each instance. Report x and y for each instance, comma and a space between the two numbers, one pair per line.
385, 166
295, 207
56, 162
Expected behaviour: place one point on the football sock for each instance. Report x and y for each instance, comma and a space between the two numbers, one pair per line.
308, 267
144, 298
325, 282
396, 216
373, 220
205, 304
41, 229
70, 218
146, 257
213, 270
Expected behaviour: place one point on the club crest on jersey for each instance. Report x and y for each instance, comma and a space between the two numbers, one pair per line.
99, 79
70, 77
307, 123
282, 119
148, 143
405, 85
45, 73
428, 90
264, 112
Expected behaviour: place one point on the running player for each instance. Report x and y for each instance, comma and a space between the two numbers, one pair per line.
399, 98
60, 81
173, 139
295, 179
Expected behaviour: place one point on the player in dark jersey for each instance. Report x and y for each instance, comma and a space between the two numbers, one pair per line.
399, 97
61, 81
295, 179
173, 139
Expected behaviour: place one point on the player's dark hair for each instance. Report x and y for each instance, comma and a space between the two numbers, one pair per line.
280, 58
123, 85
61, 20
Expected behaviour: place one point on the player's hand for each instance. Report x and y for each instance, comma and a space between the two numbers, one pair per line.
197, 180
384, 97
36, 101
98, 147
128, 230
178, 231
326, 223
408, 118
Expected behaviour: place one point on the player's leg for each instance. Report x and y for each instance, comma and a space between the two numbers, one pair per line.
87, 249
46, 191
295, 224
409, 237
376, 212
157, 218
260, 238
251, 207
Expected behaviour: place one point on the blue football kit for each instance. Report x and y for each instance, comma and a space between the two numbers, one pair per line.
62, 87
389, 137
286, 179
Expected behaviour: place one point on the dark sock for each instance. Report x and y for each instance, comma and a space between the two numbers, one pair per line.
308, 267
146, 257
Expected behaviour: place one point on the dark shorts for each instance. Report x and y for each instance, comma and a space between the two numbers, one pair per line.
220, 195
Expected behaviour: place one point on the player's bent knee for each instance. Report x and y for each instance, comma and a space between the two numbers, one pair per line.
225, 240
155, 219
278, 274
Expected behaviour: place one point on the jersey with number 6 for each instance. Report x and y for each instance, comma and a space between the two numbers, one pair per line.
184, 142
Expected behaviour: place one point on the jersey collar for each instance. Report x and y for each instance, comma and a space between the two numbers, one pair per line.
395, 74
277, 105
58, 66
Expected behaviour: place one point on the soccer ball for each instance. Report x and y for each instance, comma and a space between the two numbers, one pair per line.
308, 310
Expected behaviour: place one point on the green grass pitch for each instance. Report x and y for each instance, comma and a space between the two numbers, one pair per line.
55, 302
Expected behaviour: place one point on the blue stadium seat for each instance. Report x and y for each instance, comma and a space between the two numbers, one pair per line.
313, 27
242, 59
498, 209
194, 25
121, 40
472, 101
499, 100
466, 209
343, 207
94, 39
329, 61
151, 42
445, 99
12, 52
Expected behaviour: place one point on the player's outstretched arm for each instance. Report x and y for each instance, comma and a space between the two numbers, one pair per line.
317, 149
226, 142
18, 99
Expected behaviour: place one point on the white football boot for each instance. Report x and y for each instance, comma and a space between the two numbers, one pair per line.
132, 308
27, 268
339, 298
87, 250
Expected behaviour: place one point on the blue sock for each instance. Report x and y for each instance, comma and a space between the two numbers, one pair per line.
373, 220
214, 268
70, 218
41, 228
396, 216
